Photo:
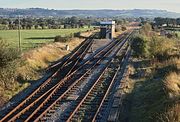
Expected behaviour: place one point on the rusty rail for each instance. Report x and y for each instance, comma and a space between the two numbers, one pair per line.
110, 86
55, 90
48, 81
51, 90
95, 85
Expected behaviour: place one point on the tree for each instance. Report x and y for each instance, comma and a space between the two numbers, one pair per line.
36, 26
119, 22
7, 54
74, 20
4, 22
146, 29
123, 28
160, 21
140, 46
178, 21
160, 47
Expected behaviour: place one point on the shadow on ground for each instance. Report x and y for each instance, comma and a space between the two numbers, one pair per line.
33, 38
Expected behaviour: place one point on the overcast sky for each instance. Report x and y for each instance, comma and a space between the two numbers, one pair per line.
171, 5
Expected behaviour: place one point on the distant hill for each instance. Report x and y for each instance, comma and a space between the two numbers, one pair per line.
40, 12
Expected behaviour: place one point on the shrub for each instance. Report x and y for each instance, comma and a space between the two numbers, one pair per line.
146, 29
123, 28
78, 34
172, 114
61, 39
7, 64
7, 54
160, 47
140, 46
118, 28
172, 84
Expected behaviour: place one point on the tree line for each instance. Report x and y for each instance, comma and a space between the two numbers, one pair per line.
57, 22
169, 22
43, 23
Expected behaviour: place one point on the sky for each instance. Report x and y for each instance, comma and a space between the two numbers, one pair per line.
170, 5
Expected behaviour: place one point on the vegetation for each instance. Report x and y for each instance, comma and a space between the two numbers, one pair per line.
154, 89
8, 65
43, 23
62, 39
124, 28
161, 47
151, 45
146, 29
7, 54
139, 46
170, 22
34, 38
19, 71
156, 93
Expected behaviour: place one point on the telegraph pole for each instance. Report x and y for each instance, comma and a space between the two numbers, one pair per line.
19, 33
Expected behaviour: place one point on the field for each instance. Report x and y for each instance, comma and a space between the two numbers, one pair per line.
33, 38
178, 34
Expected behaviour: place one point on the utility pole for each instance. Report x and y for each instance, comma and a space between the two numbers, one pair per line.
19, 33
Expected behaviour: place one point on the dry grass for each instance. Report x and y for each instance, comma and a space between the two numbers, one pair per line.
131, 69
32, 66
40, 58
173, 62
87, 34
171, 115
161, 46
116, 35
172, 85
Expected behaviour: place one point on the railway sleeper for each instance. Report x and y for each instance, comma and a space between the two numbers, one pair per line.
46, 105
32, 99
51, 111
72, 91
23, 117
48, 115
58, 94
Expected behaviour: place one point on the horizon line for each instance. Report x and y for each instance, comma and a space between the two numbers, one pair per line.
88, 9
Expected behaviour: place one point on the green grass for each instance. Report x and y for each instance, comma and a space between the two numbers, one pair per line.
178, 33
33, 38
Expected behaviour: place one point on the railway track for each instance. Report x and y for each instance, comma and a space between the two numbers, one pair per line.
58, 93
45, 99
73, 85
71, 57
89, 103
63, 71
103, 112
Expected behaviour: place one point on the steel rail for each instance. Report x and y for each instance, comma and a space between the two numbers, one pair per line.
61, 95
110, 86
64, 62
32, 102
42, 86
87, 94
39, 98
38, 90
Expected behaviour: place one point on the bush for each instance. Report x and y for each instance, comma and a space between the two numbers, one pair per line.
140, 46
118, 28
78, 34
7, 54
62, 39
160, 47
172, 84
8, 65
146, 29
123, 28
